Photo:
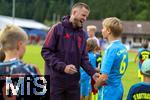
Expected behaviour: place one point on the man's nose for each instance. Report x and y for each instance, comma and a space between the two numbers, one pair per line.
85, 18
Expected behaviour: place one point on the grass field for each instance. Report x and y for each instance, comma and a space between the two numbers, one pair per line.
33, 56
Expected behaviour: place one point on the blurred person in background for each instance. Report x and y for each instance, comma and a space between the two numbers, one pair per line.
143, 54
91, 30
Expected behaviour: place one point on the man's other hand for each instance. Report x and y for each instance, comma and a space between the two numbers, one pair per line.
70, 69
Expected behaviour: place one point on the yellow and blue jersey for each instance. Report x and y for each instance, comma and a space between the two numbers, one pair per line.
143, 54
139, 91
114, 64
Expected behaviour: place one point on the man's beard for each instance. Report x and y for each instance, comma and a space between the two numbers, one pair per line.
77, 23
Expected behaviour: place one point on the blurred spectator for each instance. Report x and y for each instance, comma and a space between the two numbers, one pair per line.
34, 39
143, 54
91, 29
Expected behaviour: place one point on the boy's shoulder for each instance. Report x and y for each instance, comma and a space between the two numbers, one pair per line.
116, 45
31, 69
17, 66
140, 85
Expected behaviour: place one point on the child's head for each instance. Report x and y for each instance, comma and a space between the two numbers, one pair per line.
145, 69
91, 29
91, 45
112, 26
13, 38
145, 44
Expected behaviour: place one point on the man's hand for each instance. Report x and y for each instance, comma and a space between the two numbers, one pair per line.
96, 76
70, 69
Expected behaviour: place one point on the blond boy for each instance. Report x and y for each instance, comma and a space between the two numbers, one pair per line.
114, 62
91, 29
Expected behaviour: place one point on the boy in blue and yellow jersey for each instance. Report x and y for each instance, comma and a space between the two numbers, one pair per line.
143, 54
114, 62
141, 91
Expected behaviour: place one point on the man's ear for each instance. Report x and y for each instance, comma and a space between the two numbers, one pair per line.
74, 11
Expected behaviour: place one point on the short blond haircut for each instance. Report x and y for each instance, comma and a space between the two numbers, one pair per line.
91, 27
81, 5
10, 35
114, 24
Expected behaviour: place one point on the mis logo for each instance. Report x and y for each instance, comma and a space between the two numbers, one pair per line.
26, 87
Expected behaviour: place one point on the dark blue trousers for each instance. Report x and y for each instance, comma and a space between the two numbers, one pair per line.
67, 91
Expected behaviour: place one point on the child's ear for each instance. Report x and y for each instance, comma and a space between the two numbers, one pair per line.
108, 30
19, 43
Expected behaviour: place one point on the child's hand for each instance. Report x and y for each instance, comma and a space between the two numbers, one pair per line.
97, 69
97, 84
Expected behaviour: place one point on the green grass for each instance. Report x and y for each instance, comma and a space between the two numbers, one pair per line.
130, 76
33, 55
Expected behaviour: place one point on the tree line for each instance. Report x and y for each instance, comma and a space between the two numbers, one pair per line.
51, 10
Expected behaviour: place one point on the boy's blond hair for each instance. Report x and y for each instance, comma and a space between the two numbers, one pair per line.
91, 27
10, 35
114, 24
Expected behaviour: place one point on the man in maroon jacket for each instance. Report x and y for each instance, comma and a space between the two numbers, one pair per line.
64, 51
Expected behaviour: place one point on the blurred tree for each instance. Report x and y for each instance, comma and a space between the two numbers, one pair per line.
58, 8
42, 10
5, 7
143, 10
